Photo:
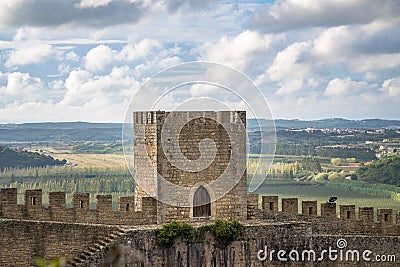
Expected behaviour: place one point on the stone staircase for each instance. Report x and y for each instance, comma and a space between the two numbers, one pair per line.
97, 249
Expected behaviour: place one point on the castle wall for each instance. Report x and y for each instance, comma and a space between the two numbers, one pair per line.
21, 241
135, 247
346, 221
80, 212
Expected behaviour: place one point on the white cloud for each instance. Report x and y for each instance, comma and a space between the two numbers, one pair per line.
83, 87
140, 50
294, 14
91, 55
72, 56
344, 87
239, 51
292, 70
92, 3
391, 87
30, 52
21, 87
99, 57
376, 62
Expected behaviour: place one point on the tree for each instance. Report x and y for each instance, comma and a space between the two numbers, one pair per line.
338, 162
311, 163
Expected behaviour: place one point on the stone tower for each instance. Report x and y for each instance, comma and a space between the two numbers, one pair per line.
193, 163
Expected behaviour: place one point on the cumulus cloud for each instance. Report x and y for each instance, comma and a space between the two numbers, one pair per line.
391, 87
238, 51
344, 87
340, 43
294, 14
30, 52
102, 56
83, 87
292, 70
97, 58
305, 55
21, 87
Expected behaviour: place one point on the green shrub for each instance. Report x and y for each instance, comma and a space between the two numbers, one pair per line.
225, 232
167, 234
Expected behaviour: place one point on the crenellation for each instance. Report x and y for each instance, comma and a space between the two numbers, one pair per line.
347, 212
290, 205
57, 200
309, 207
126, 215
328, 209
104, 202
126, 204
81, 201
33, 197
385, 216
269, 203
366, 214
8, 196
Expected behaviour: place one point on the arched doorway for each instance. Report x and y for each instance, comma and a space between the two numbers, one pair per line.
201, 203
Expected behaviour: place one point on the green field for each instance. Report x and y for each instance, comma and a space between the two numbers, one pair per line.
322, 194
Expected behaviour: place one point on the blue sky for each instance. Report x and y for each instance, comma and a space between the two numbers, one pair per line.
63, 60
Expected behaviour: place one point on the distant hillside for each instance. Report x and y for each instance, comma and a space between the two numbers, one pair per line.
326, 123
385, 171
60, 131
10, 158
84, 131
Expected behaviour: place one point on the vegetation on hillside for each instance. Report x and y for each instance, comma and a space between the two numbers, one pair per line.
311, 164
10, 158
97, 148
385, 170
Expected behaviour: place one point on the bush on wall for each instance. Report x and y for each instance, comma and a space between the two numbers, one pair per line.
167, 234
223, 231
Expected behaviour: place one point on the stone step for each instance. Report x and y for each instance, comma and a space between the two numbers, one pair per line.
88, 252
103, 242
109, 240
113, 235
93, 250
98, 246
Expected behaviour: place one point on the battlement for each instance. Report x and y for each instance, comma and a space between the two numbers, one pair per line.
366, 222
81, 212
